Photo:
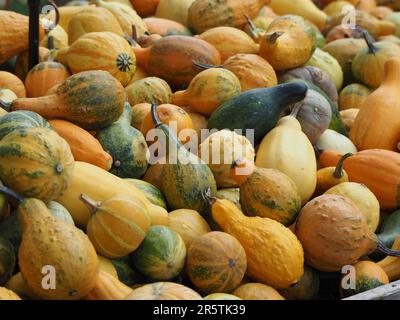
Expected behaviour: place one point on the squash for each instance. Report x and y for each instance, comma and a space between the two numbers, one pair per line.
231, 194
366, 5
6, 294
139, 111
91, 99
389, 229
145, 8
298, 163
229, 41
43, 77
126, 145
126, 16
391, 264
221, 296
208, 90
17, 284
84, 146
279, 268
118, 225
334, 141
108, 287
60, 38
368, 64
23, 169
377, 169
158, 215
266, 11
206, 14
161, 255
306, 289
265, 104
363, 198
257, 27
139, 74
7, 260
165, 27
67, 12
334, 232
220, 149
113, 54
106, 266
22, 64
44, 242
304, 8
13, 83
171, 58
379, 111
348, 117
394, 18
58, 211
163, 291
287, 43
189, 224
369, 275
216, 262
270, 193
154, 195
257, 291
92, 19
126, 274
331, 176
149, 90
176, 10
353, 96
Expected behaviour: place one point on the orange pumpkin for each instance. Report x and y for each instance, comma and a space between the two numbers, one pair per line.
13, 83
22, 63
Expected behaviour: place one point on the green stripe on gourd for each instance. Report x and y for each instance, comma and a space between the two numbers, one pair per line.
154, 195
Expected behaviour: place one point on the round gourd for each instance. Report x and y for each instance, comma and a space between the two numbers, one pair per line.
363, 198
13, 83
269, 193
353, 96
189, 224
149, 90
22, 63
7, 260
257, 291
152, 193
220, 150
163, 291
334, 141
22, 167
139, 111
6, 294
216, 262
161, 256
305, 289
221, 296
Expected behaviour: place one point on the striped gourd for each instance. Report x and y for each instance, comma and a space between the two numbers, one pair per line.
163, 291
36, 162
152, 193
117, 226
161, 256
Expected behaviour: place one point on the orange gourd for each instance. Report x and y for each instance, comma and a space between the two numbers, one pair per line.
13, 83
22, 63
145, 8
108, 288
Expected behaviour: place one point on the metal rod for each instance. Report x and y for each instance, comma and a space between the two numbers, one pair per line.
33, 32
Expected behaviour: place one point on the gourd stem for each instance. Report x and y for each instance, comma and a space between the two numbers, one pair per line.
251, 25
11, 193
154, 116
338, 173
50, 43
90, 203
372, 49
6, 105
205, 66
272, 37
382, 248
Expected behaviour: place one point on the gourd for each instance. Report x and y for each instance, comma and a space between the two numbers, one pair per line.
389, 229
334, 232
287, 43
108, 287
60, 38
90, 109
6, 294
126, 16
165, 27
23, 169
171, 58
149, 90
369, 275
298, 163
92, 19
126, 274
206, 14
13, 83
17, 284
7, 260
221, 296
208, 90
158, 215
216, 262
145, 8
256, 109
306, 289
176, 10
126, 145
334, 141
139, 74
67, 12
257, 291
271, 194
100, 51
365, 166
59, 211
185, 176
161, 255
353, 96
381, 12
337, 7
6, 96
106, 266
220, 149
379, 111
331, 176
348, 117
22, 64
368, 64
279, 268
154, 174
189, 224
163, 291
391, 264
152, 193
139, 111
304, 8
118, 225
84, 146
229, 41
231, 194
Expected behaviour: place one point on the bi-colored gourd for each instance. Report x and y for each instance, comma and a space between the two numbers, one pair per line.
257, 291
163, 291
389, 230
152, 193
149, 90
13, 83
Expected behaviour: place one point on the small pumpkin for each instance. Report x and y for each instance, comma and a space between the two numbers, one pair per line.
149, 90
257, 291
13, 83
22, 63
163, 291
353, 96
305, 289
334, 141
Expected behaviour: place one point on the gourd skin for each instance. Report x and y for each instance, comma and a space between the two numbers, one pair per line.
257, 291
391, 265
149, 90
305, 289
152, 193
165, 27
163, 291
13, 83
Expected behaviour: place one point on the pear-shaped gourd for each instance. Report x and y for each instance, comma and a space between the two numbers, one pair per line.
288, 149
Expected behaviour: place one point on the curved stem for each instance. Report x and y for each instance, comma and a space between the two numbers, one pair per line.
338, 173
11, 193
251, 25
390, 252
90, 203
272, 37
205, 66
154, 116
372, 49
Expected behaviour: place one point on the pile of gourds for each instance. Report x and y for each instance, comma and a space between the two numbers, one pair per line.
312, 189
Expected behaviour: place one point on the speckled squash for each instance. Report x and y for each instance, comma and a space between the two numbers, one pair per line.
165, 27
149, 90
163, 291
161, 255
257, 291
7, 260
152, 193
305, 289
353, 96
13, 83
